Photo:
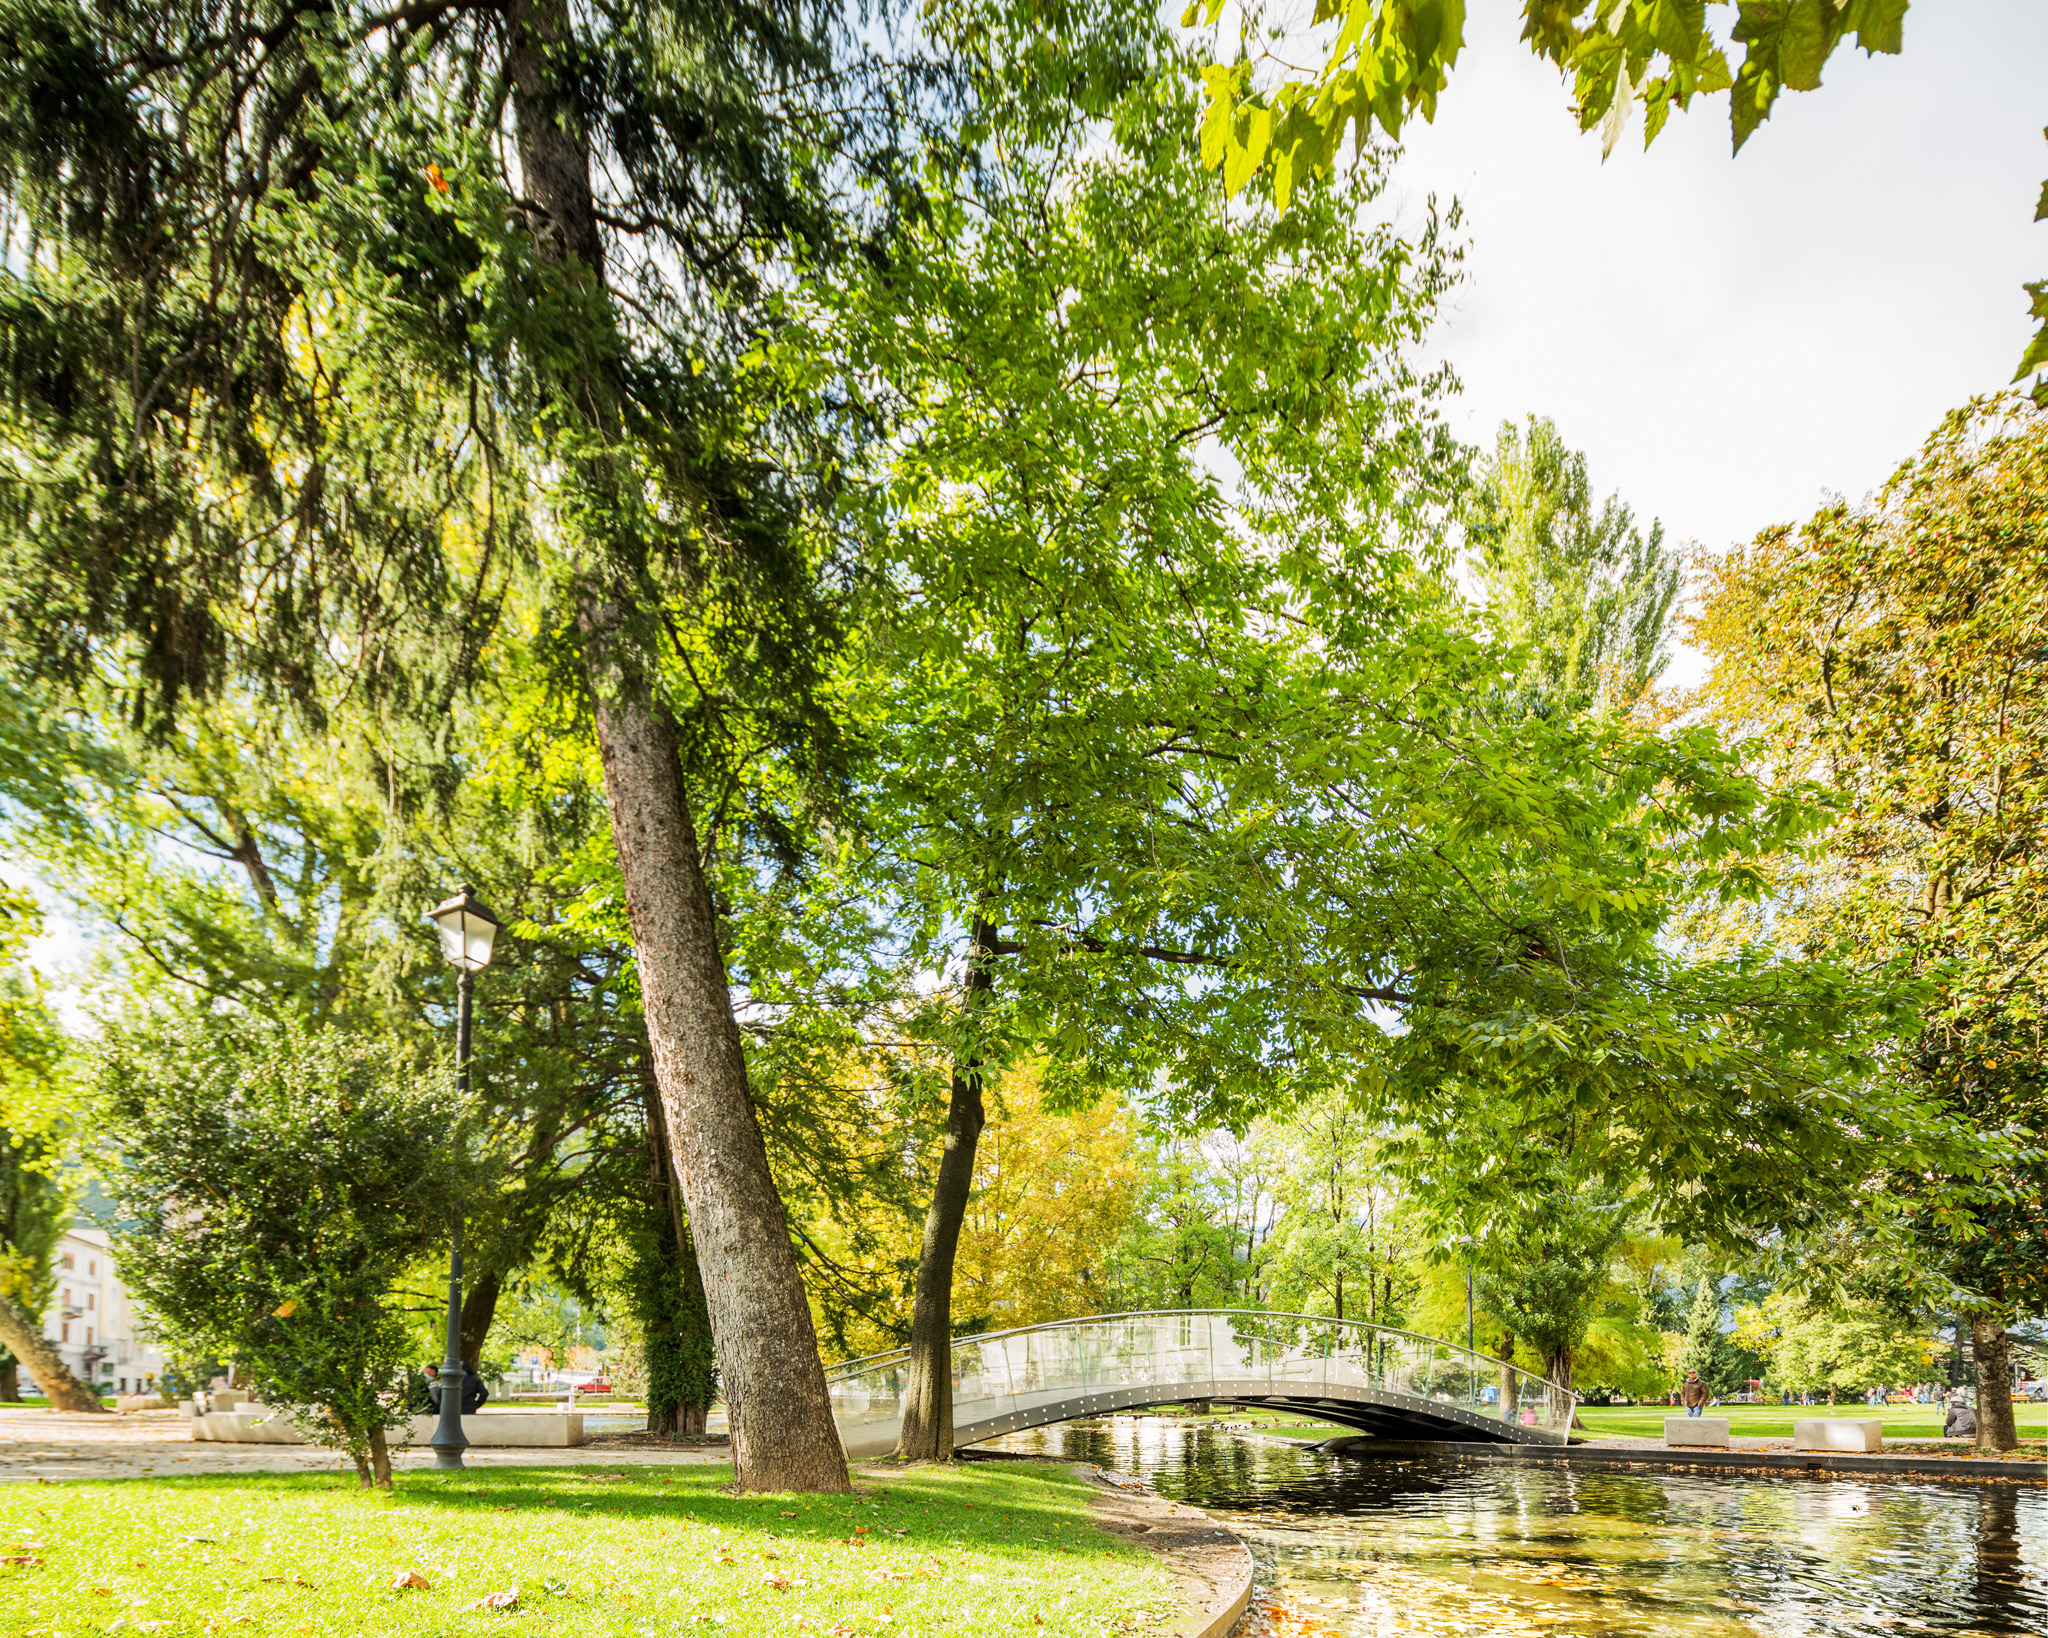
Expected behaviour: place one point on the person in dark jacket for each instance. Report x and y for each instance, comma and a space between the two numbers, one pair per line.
1693, 1395
474, 1393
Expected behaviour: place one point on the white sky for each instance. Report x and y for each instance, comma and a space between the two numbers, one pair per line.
1732, 340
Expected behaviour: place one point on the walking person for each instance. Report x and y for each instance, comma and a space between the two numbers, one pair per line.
1693, 1394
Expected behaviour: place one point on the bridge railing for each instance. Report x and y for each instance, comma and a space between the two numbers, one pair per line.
1040, 1367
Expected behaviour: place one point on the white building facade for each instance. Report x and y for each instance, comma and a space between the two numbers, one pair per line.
92, 1322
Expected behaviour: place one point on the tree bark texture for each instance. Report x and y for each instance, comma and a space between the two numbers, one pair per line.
380, 1461
927, 1431
1510, 1379
24, 1339
780, 1415
10, 1383
1996, 1425
783, 1436
479, 1308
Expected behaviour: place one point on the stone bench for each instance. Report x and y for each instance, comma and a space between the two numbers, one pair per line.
524, 1429
1699, 1432
1838, 1433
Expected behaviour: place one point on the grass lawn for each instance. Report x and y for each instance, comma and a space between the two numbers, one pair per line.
572, 1552
1775, 1421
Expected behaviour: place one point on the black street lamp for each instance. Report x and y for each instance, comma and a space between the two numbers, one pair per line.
467, 932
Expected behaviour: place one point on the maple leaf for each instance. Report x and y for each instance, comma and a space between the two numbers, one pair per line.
411, 1578
779, 1583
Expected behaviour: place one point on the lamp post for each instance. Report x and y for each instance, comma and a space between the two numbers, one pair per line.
467, 932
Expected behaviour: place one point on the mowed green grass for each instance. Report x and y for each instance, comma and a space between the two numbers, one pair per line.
1775, 1421
625, 1552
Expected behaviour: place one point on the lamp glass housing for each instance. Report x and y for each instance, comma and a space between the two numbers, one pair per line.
468, 930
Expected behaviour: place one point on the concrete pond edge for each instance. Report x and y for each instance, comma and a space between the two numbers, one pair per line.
1808, 1464
1215, 1591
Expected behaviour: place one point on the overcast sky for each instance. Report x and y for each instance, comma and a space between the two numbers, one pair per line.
1731, 340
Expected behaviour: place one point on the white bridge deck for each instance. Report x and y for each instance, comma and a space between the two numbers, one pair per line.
1377, 1380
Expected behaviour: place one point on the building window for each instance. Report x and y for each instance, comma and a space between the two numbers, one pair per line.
67, 1260
65, 1300
91, 1267
91, 1298
88, 1336
66, 1337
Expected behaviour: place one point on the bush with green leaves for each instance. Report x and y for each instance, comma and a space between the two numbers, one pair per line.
274, 1183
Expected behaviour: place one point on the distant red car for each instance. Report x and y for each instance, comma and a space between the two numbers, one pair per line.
594, 1387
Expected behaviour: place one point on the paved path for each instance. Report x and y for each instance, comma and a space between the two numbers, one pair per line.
45, 1445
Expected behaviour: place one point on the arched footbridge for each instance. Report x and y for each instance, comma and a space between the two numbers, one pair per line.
1393, 1384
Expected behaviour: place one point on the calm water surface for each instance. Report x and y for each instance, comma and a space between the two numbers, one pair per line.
1390, 1548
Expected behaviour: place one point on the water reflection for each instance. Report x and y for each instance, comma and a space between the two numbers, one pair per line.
1397, 1548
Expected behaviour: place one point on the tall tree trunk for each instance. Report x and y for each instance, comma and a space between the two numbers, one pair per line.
1510, 1378
24, 1339
783, 1435
380, 1461
10, 1383
927, 1431
1996, 1426
479, 1308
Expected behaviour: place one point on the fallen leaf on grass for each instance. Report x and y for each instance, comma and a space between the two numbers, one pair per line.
779, 1583
152, 1626
839, 1629
411, 1578
25, 1560
508, 1599
786, 1512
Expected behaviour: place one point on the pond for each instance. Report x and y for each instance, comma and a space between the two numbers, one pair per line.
1392, 1548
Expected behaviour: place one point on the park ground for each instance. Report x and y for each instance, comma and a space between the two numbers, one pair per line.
608, 1552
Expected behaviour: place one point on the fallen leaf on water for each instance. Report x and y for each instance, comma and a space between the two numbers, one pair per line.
411, 1578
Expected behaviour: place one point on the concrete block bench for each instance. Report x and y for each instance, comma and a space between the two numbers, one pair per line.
1698, 1432
1837, 1433
524, 1429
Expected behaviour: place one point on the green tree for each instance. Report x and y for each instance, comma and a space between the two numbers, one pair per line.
35, 1209
1389, 59
1892, 653
1574, 581
1341, 1243
277, 1182
1073, 636
1702, 1347
37, 1123
407, 310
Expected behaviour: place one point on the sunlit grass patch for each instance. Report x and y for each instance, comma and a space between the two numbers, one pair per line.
624, 1552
